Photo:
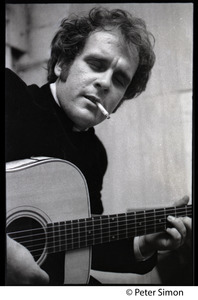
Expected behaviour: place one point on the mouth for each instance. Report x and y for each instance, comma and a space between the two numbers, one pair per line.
98, 104
93, 99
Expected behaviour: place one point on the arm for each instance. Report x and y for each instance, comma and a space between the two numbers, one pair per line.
21, 268
119, 256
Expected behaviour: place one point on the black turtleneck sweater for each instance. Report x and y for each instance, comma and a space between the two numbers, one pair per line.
37, 126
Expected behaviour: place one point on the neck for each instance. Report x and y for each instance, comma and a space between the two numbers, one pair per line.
53, 91
81, 233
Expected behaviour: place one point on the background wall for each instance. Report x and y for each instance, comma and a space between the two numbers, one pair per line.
149, 139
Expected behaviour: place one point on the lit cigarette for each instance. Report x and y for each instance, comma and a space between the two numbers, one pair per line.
103, 110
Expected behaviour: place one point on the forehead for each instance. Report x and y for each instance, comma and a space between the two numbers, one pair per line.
111, 44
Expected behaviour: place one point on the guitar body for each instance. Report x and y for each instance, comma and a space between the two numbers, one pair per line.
48, 212
40, 191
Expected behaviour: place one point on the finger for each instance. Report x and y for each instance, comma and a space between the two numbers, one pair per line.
179, 225
182, 201
188, 223
176, 239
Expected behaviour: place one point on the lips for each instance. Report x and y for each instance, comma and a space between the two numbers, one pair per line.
92, 98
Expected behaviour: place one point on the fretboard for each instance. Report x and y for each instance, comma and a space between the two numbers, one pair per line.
69, 235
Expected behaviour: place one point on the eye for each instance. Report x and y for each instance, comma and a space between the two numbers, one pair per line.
120, 80
96, 65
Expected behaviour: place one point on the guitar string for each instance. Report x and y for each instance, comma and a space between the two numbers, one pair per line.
75, 241
95, 236
117, 223
109, 223
135, 214
76, 244
113, 225
110, 227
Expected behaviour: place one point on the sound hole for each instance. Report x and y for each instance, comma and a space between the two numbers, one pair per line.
30, 233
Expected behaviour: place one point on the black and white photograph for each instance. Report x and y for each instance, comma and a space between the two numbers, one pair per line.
98, 145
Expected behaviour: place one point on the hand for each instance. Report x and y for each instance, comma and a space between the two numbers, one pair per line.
170, 239
21, 266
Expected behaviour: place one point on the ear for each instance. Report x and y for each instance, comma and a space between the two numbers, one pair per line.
57, 69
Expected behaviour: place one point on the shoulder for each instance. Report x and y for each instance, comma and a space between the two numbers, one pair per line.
18, 93
15, 91
13, 82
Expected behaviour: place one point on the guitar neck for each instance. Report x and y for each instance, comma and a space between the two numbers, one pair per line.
69, 235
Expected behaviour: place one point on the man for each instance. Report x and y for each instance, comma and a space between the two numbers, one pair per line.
98, 60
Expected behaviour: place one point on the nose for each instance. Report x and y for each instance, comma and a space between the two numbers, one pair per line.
103, 80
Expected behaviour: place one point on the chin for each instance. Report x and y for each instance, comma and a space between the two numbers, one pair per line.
87, 120
83, 125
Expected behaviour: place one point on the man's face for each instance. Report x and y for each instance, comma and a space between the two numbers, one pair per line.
100, 73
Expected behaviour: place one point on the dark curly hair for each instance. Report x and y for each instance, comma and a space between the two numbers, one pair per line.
73, 33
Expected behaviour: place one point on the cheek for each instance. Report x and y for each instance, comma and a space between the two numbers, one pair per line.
79, 72
78, 80
114, 101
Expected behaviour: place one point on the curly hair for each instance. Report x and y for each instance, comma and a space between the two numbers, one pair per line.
70, 39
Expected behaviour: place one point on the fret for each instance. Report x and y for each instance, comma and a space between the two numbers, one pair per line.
108, 224
165, 218
131, 228
182, 211
113, 227
127, 234
175, 211
140, 222
78, 234
75, 233
160, 220
189, 211
89, 232
154, 221
101, 229
144, 222
59, 237
170, 211
69, 239
62, 236
117, 233
122, 226
93, 226
105, 229
150, 221
82, 233
135, 220
97, 230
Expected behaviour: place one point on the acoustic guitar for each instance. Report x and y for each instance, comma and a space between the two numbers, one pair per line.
48, 212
